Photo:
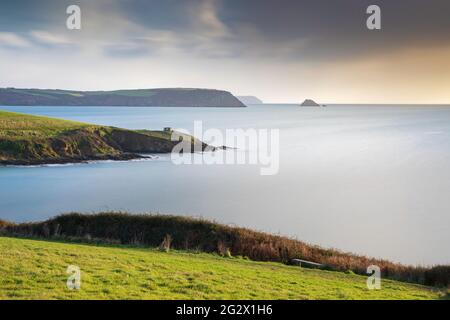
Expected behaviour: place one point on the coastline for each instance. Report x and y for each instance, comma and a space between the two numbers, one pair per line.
27, 140
68, 161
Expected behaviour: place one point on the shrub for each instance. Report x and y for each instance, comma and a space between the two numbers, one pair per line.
438, 276
4, 224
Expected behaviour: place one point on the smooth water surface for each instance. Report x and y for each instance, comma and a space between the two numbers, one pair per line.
368, 179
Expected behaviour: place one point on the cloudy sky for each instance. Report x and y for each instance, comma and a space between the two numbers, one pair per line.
278, 50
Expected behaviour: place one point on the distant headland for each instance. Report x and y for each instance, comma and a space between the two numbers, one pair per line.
250, 100
168, 97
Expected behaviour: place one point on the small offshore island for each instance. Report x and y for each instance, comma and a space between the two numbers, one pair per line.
310, 103
34, 140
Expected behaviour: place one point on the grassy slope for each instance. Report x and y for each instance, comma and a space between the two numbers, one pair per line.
34, 139
21, 126
27, 139
31, 269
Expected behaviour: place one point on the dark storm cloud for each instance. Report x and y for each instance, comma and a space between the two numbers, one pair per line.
23, 15
295, 29
310, 29
161, 14
338, 28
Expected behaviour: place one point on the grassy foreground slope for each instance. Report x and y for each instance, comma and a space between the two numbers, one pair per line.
31, 269
189, 233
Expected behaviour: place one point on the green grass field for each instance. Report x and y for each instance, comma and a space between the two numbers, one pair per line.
21, 126
31, 269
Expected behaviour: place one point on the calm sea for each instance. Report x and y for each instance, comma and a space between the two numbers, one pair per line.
373, 180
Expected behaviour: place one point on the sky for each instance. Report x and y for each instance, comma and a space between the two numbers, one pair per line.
281, 51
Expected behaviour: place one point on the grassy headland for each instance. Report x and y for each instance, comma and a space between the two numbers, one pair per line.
31, 269
184, 233
166, 97
30, 140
